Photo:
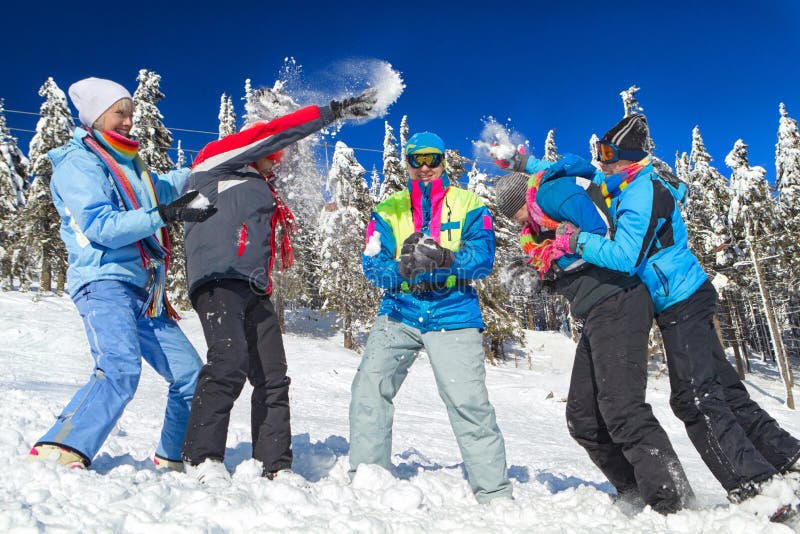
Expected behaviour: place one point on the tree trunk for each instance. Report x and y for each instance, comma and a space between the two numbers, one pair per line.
780, 357
348, 330
45, 279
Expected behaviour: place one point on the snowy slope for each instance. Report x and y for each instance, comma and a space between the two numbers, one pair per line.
45, 358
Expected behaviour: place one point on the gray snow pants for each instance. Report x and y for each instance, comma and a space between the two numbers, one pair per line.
456, 357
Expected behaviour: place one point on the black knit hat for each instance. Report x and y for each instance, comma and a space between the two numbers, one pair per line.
511, 191
630, 135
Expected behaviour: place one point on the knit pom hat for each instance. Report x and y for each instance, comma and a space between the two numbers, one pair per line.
425, 143
511, 193
93, 96
630, 135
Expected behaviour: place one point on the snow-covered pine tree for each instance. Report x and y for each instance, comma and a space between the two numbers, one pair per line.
404, 131
300, 184
342, 225
706, 209
13, 189
180, 156
375, 185
498, 315
754, 208
550, 148
155, 141
40, 238
593, 148
394, 172
226, 116
787, 181
455, 165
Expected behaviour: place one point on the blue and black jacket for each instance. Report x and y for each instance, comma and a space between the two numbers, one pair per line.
650, 240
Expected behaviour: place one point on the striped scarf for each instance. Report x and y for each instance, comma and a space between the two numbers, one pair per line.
615, 184
540, 251
154, 250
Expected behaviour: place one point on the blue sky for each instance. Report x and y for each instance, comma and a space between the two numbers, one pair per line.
722, 65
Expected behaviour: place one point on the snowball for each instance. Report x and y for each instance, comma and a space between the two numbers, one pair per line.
373, 245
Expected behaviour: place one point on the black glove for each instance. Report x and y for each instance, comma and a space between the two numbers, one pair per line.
431, 255
356, 106
519, 278
179, 210
407, 265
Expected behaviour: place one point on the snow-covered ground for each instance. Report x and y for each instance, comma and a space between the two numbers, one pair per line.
45, 358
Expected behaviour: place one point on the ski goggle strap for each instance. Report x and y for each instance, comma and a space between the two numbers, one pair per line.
610, 153
418, 160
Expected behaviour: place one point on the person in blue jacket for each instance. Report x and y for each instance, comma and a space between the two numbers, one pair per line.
606, 410
739, 442
113, 216
424, 245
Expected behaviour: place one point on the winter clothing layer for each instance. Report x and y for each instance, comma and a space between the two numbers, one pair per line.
119, 338
244, 343
101, 236
650, 240
237, 242
458, 221
738, 441
606, 409
93, 96
456, 357
566, 193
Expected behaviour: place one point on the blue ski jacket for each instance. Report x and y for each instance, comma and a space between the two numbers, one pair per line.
100, 235
650, 241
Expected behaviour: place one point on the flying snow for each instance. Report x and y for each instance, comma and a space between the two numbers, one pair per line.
497, 141
373, 245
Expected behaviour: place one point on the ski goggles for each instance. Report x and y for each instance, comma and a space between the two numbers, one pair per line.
610, 153
418, 160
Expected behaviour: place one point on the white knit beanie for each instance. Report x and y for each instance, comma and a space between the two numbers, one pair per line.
93, 96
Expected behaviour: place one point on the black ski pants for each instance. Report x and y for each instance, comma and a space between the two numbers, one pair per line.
606, 409
738, 441
244, 342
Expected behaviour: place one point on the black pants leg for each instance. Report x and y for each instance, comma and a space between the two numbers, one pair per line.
700, 398
606, 409
269, 415
221, 307
779, 447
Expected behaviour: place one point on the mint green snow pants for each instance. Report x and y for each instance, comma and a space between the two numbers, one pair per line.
456, 357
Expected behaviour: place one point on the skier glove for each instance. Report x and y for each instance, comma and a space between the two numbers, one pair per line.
355, 107
180, 210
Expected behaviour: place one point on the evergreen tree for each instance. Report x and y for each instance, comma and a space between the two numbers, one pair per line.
404, 133
40, 239
180, 157
787, 181
754, 208
226, 116
342, 226
593, 147
13, 188
550, 148
455, 165
706, 210
375, 185
394, 173
501, 323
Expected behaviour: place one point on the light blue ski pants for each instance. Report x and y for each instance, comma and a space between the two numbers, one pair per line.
119, 338
456, 357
